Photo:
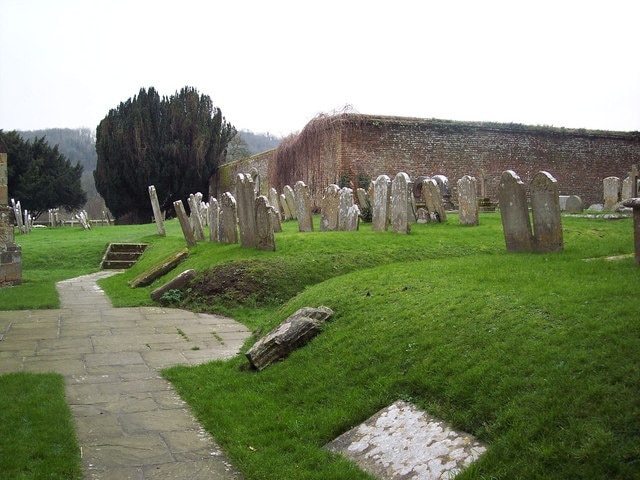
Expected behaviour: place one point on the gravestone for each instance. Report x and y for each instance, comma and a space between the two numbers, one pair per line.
381, 194
363, 199
275, 220
514, 213
611, 188
246, 201
303, 207
445, 192
346, 202
194, 218
330, 208
573, 204
432, 197
290, 199
286, 212
274, 201
10, 252
545, 209
423, 215
214, 220
467, 201
185, 225
399, 200
352, 219
228, 230
627, 185
265, 239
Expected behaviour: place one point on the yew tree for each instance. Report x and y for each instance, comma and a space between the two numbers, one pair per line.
175, 143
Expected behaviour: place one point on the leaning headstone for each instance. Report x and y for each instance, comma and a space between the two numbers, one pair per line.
611, 188
176, 283
346, 202
381, 195
573, 204
157, 213
545, 209
303, 207
265, 239
185, 225
445, 191
363, 198
467, 201
275, 219
245, 197
330, 208
514, 213
274, 201
432, 197
290, 199
214, 220
399, 201
228, 230
286, 211
194, 219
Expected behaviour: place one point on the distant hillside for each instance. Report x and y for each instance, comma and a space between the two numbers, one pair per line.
259, 142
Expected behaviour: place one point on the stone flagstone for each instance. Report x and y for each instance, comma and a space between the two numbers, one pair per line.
130, 422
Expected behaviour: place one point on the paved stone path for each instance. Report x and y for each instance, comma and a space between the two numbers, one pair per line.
130, 423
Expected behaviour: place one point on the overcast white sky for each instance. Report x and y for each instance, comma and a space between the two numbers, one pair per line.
271, 66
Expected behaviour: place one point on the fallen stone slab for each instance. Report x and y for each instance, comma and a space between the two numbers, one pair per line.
291, 334
401, 442
176, 283
147, 277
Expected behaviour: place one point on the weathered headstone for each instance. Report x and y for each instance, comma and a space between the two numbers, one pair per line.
352, 219
185, 225
611, 187
286, 211
423, 215
274, 201
634, 203
214, 220
275, 219
627, 184
467, 201
363, 198
545, 209
246, 200
10, 252
265, 239
194, 218
290, 199
399, 201
330, 208
445, 192
573, 204
303, 207
514, 213
432, 197
346, 202
381, 196
228, 230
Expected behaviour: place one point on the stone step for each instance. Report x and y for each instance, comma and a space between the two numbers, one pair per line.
122, 255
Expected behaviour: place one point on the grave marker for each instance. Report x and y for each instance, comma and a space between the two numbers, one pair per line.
399, 202
290, 199
246, 201
545, 209
330, 208
381, 195
514, 213
265, 239
345, 203
185, 225
214, 220
611, 187
303, 207
467, 201
228, 230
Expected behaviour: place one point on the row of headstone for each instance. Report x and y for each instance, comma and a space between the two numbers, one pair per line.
23, 219
616, 191
83, 218
545, 208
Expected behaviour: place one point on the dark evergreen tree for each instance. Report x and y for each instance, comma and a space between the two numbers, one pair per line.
175, 143
40, 177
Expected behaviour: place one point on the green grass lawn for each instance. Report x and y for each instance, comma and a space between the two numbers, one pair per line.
37, 439
538, 355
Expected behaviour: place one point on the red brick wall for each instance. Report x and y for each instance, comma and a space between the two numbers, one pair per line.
348, 147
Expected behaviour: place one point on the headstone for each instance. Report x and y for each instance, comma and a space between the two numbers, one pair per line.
483, 183
274, 201
381, 195
352, 219
573, 204
194, 219
265, 239
399, 201
627, 184
330, 208
246, 200
275, 220
303, 207
228, 230
346, 202
286, 211
467, 201
290, 199
432, 197
445, 192
514, 213
611, 187
423, 215
214, 220
185, 225
545, 209
10, 252
255, 178
177, 283
563, 202
363, 198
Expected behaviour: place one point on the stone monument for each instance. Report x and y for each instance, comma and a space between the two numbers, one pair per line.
10, 252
